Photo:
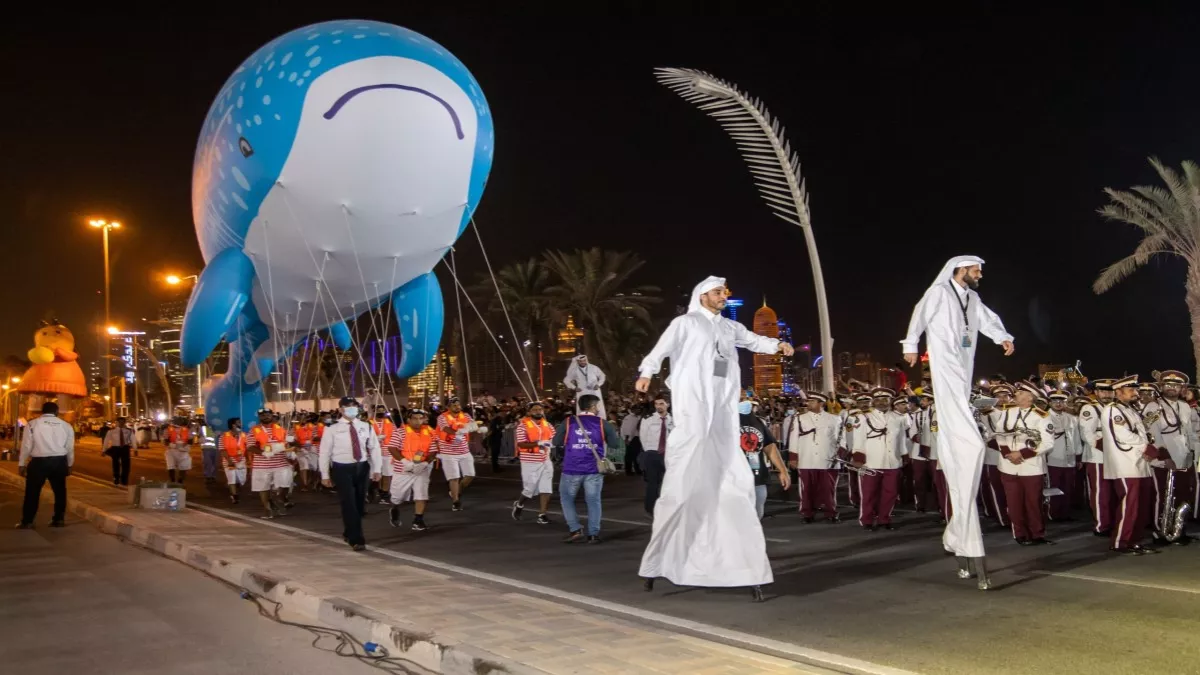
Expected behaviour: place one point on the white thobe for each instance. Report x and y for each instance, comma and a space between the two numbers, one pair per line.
586, 380
706, 529
960, 447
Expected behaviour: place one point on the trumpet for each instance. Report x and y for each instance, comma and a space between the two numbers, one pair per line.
860, 470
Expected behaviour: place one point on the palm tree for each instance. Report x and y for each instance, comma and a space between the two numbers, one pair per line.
1169, 220
594, 286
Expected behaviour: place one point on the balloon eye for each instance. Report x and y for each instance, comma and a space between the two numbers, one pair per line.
244, 146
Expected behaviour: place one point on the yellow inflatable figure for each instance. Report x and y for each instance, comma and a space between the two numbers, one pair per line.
55, 368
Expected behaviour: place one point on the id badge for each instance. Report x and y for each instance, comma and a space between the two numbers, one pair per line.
752, 457
966, 340
720, 368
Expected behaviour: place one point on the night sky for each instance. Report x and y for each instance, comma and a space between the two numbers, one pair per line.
991, 132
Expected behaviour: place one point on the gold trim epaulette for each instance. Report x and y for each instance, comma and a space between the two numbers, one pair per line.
1041, 412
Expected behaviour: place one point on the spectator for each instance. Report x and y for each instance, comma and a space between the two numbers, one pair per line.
47, 454
583, 438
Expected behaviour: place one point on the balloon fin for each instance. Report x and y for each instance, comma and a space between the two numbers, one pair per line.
341, 335
419, 313
221, 292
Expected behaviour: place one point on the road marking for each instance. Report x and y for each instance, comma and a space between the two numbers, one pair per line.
728, 636
1122, 582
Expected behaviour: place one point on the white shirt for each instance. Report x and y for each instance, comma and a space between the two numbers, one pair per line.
117, 437
629, 427
650, 429
48, 436
337, 447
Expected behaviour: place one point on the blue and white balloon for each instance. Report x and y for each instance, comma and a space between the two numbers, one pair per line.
336, 167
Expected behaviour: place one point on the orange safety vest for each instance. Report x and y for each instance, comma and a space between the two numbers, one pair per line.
456, 422
304, 435
383, 430
536, 431
264, 440
318, 432
178, 434
234, 447
417, 443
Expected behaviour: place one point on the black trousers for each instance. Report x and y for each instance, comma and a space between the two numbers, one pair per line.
632, 450
654, 468
495, 450
38, 471
120, 463
350, 481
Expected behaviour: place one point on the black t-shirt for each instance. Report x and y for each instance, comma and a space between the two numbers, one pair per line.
755, 437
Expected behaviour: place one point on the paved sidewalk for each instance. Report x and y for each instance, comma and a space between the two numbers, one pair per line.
443, 621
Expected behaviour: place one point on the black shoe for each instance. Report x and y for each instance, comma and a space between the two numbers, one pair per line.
233, 499
24, 526
359, 547
1144, 550
593, 539
543, 519
834, 520
808, 519
869, 528
1105, 533
385, 500
889, 527
574, 537
756, 594
648, 585
57, 523
394, 516
419, 525
1126, 551
116, 481
1040, 541
456, 506
1025, 542
289, 504
943, 521
517, 508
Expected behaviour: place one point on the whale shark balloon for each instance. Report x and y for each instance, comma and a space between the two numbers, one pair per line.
335, 168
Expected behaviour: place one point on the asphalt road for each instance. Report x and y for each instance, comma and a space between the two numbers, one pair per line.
74, 600
886, 597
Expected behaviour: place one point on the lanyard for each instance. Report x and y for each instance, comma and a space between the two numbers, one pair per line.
961, 304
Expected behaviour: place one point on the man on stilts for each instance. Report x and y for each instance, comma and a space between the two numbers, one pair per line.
706, 531
951, 316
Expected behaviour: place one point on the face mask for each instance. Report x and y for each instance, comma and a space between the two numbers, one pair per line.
745, 407
538, 416
790, 412
328, 420
350, 412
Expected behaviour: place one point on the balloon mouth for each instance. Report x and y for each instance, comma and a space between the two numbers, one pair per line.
345, 98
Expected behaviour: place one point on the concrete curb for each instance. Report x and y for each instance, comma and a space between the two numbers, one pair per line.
399, 638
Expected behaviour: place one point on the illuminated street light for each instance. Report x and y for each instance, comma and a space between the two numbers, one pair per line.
106, 227
16, 380
175, 279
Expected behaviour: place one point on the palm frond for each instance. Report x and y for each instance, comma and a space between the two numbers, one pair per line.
1117, 272
758, 136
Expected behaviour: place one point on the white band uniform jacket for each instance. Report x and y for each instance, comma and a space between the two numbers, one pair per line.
813, 438
1090, 435
880, 436
1066, 450
1125, 441
1013, 436
1174, 430
926, 433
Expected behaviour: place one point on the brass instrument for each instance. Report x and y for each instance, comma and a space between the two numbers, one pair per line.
1171, 522
1150, 419
860, 470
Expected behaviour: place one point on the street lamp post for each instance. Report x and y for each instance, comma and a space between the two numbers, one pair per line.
175, 280
105, 226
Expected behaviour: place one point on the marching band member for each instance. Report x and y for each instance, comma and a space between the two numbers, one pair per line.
924, 462
458, 464
814, 444
1171, 424
1128, 451
995, 501
879, 446
1063, 456
1025, 436
532, 438
411, 448
852, 429
1099, 491
907, 444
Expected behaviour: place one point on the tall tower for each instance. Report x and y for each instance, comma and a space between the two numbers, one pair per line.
768, 370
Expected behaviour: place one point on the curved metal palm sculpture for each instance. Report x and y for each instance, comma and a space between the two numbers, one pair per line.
775, 167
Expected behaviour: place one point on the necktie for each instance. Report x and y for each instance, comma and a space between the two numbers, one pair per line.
355, 444
662, 435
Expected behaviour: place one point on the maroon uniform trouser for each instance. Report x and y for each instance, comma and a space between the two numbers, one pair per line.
1024, 496
878, 496
855, 488
995, 504
816, 491
1185, 490
943, 495
1134, 499
922, 478
1062, 478
1100, 497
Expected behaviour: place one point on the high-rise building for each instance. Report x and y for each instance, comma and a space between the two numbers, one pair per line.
864, 369
570, 340
768, 371
731, 307
790, 364
845, 361
429, 382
